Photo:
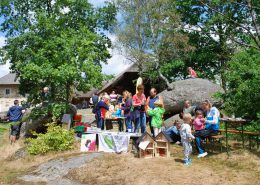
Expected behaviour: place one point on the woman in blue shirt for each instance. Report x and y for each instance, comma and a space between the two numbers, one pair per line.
212, 126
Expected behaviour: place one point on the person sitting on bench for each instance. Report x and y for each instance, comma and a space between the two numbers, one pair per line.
212, 127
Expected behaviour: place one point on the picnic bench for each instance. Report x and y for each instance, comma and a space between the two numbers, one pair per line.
236, 123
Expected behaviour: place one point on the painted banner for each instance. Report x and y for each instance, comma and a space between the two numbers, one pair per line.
88, 142
113, 142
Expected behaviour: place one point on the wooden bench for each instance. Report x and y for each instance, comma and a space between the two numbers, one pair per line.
250, 135
215, 141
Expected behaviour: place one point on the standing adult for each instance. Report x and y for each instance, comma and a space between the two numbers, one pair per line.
101, 109
212, 126
139, 114
126, 107
113, 97
15, 114
150, 103
94, 101
45, 96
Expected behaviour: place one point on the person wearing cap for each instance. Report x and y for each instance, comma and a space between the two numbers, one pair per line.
157, 116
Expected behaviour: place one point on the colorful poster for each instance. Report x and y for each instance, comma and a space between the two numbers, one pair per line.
113, 142
88, 142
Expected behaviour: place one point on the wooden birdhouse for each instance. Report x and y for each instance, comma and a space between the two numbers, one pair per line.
162, 145
146, 146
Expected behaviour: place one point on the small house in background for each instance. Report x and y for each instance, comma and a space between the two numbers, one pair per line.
9, 91
146, 146
162, 145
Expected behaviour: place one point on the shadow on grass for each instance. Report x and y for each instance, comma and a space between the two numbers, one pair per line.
178, 160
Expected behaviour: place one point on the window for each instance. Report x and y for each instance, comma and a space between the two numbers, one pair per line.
7, 92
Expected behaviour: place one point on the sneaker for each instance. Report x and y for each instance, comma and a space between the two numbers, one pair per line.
190, 161
202, 155
187, 163
178, 143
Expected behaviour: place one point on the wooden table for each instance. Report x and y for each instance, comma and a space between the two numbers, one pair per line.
237, 122
115, 119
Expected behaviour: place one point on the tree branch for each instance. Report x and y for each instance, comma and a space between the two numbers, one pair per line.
236, 23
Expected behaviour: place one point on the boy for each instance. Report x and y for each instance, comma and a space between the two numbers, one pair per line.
186, 136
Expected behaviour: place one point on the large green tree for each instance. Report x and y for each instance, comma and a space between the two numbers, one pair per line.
243, 79
217, 28
150, 34
60, 44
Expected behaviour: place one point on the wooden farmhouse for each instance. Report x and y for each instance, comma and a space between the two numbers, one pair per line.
162, 145
146, 146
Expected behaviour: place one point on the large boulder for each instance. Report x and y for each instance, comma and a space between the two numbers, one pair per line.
195, 90
39, 125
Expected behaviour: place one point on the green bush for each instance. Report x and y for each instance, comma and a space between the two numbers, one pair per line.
56, 139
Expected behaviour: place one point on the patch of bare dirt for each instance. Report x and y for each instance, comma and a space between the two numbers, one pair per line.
241, 168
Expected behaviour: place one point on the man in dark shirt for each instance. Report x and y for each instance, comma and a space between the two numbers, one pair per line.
15, 115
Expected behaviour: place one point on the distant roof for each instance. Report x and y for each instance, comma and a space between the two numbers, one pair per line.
9, 79
131, 69
89, 94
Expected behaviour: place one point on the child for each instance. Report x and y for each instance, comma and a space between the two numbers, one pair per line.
199, 121
192, 73
157, 115
186, 136
118, 113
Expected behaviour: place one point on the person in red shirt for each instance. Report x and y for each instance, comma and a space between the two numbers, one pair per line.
138, 114
192, 73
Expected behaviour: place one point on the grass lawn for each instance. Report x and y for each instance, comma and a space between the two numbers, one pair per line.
242, 167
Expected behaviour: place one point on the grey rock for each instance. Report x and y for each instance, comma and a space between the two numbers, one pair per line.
53, 171
195, 90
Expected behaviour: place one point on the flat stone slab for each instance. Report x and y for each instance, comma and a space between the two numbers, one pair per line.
53, 171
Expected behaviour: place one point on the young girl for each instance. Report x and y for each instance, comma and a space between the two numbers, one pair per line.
186, 136
118, 113
199, 121
157, 115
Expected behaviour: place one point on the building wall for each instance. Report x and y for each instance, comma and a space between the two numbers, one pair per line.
14, 91
7, 101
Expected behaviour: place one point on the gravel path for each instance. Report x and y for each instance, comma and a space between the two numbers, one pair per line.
53, 171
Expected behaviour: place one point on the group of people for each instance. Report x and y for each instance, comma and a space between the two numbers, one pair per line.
204, 119
136, 109
139, 110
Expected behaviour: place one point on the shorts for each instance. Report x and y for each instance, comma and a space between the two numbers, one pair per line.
15, 130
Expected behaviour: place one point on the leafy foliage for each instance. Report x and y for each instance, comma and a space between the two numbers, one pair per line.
60, 44
243, 77
151, 35
56, 139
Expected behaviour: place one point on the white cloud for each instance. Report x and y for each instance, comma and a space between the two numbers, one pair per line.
4, 69
115, 65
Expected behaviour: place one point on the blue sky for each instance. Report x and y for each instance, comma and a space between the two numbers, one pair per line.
115, 65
